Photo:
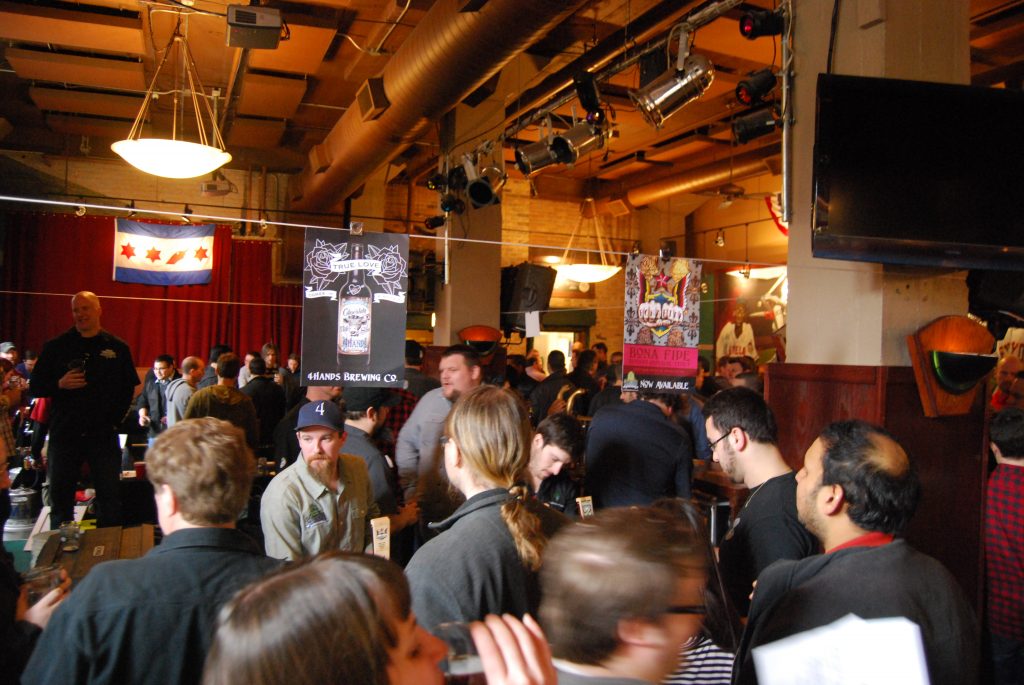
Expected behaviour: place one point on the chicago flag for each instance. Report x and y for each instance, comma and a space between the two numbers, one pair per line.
161, 254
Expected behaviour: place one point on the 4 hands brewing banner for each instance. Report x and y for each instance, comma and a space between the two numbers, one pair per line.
353, 308
661, 326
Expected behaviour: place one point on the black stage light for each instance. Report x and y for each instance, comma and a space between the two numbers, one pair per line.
457, 179
757, 23
754, 125
437, 181
586, 91
755, 87
450, 203
433, 223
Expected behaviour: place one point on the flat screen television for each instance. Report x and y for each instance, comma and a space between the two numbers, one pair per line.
908, 172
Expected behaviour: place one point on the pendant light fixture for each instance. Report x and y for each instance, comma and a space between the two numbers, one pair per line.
174, 157
587, 272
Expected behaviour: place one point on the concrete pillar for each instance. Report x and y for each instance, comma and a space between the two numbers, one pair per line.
855, 312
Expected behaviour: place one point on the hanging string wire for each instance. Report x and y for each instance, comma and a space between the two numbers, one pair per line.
176, 215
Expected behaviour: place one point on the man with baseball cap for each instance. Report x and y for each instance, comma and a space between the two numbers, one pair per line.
324, 501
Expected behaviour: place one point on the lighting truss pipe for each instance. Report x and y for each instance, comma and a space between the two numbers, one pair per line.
445, 58
690, 22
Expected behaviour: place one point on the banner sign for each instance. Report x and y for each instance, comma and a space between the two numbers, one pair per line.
162, 254
353, 308
661, 324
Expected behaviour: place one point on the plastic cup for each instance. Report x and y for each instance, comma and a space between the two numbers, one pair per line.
41, 580
462, 662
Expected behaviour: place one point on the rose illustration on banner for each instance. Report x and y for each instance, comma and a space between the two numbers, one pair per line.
318, 263
392, 267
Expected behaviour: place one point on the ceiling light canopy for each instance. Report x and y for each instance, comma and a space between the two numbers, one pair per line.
173, 157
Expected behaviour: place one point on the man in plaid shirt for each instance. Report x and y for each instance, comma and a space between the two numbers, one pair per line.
1004, 547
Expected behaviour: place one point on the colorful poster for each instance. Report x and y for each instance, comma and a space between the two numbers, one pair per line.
162, 254
661, 324
353, 308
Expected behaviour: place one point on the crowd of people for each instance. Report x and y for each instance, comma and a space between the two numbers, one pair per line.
487, 494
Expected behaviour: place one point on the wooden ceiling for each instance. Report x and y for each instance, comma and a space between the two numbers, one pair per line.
73, 69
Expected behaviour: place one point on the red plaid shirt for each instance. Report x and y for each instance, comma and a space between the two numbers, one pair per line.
1004, 551
397, 416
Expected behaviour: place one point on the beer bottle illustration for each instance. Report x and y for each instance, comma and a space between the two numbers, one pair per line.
354, 312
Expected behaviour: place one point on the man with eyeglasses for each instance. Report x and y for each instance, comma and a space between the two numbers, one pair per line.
622, 594
152, 402
743, 438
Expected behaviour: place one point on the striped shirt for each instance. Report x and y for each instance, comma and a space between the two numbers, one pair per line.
702, 662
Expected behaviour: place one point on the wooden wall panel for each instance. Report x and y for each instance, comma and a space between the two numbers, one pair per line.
948, 452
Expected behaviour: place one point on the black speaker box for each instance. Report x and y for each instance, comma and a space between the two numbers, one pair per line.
524, 288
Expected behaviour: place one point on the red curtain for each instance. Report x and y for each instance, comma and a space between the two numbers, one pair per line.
48, 257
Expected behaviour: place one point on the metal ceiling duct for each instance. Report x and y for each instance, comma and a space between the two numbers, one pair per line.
445, 58
692, 181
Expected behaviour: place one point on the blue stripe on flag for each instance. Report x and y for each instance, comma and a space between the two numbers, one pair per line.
124, 275
164, 230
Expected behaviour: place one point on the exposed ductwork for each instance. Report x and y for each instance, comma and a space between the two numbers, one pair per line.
445, 58
696, 180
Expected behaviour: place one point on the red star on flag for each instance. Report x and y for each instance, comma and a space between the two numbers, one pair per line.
127, 250
201, 254
153, 254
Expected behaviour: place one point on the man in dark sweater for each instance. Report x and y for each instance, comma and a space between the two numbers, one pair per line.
151, 620
742, 436
855, 492
635, 454
90, 377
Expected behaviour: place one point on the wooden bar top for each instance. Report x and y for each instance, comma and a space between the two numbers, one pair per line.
97, 545
711, 479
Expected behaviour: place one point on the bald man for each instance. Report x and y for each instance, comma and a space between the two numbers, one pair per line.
90, 376
1006, 375
856, 492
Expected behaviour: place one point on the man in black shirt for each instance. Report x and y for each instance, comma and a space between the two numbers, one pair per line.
90, 377
742, 437
151, 620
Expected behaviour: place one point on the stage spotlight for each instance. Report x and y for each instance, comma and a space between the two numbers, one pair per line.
457, 179
450, 203
754, 125
433, 223
757, 23
755, 87
534, 157
665, 95
577, 141
586, 91
479, 189
437, 181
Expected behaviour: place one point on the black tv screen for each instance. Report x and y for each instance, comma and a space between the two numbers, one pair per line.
909, 172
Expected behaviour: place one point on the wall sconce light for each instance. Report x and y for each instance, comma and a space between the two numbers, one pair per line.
720, 238
754, 125
757, 23
186, 215
666, 95
80, 210
755, 87
131, 209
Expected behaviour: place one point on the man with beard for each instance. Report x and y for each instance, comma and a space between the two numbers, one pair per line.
419, 454
324, 501
856, 492
743, 438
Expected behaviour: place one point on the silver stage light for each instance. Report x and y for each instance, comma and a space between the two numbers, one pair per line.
577, 141
665, 95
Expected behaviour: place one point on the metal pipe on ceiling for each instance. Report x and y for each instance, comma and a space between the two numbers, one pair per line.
446, 57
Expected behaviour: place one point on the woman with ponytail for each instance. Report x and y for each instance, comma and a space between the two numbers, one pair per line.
485, 560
